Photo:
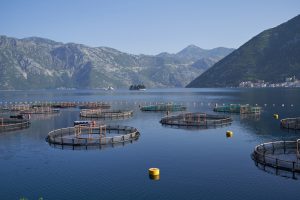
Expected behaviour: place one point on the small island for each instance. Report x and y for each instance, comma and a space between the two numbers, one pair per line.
137, 87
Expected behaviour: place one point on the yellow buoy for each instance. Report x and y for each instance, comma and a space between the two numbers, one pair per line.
154, 174
276, 116
229, 134
154, 171
155, 178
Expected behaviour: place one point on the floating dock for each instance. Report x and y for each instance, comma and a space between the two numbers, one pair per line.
201, 120
9, 124
290, 123
283, 155
106, 114
92, 135
237, 108
163, 107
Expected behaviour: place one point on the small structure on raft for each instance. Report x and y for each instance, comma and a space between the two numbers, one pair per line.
10, 124
290, 123
199, 120
92, 135
106, 114
281, 155
237, 108
163, 107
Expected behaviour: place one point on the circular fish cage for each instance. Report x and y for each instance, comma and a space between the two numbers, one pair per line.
63, 105
94, 105
282, 155
200, 120
105, 114
9, 124
40, 110
19, 107
237, 108
163, 107
55, 104
290, 123
99, 135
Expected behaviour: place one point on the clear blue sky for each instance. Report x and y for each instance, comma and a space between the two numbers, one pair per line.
145, 26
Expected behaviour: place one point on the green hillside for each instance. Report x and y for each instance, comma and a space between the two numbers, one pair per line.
272, 56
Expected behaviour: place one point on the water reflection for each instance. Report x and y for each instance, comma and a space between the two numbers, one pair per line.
277, 172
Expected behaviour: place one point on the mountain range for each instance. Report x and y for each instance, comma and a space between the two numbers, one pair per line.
272, 56
36, 63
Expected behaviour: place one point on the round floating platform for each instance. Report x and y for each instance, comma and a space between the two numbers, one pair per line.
8, 124
282, 155
19, 107
93, 136
290, 123
163, 107
40, 110
94, 105
55, 104
106, 114
63, 105
237, 108
200, 120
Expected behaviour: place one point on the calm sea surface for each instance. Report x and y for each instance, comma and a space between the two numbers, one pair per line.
194, 164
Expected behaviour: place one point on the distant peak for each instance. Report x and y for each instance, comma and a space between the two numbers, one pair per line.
192, 46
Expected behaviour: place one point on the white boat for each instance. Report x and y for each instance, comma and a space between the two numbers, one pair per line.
109, 88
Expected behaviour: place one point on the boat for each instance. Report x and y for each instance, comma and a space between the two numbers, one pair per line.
109, 88
137, 87
82, 123
19, 116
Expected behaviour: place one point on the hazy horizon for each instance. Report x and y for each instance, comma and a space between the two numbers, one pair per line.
148, 27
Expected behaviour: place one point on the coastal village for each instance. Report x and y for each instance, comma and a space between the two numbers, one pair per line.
289, 82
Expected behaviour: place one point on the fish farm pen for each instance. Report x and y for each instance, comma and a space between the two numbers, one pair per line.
40, 110
92, 135
8, 124
19, 107
201, 120
55, 104
283, 155
109, 114
163, 107
237, 108
290, 123
94, 105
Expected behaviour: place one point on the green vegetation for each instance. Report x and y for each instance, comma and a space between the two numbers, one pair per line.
272, 56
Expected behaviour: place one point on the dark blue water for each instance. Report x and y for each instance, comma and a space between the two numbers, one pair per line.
194, 164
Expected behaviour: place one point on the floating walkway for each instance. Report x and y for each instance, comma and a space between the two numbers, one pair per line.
237, 108
290, 123
201, 120
8, 124
282, 155
163, 107
106, 114
92, 135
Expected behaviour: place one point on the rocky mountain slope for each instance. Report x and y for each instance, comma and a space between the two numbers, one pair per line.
33, 63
